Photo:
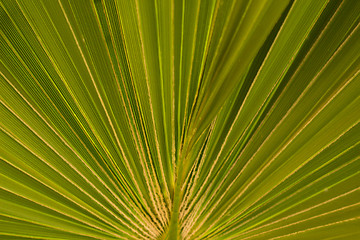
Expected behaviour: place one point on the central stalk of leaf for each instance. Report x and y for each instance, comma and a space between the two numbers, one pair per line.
173, 232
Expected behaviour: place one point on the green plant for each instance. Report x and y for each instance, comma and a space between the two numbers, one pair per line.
160, 119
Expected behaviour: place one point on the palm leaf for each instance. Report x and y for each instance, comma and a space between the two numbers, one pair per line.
179, 119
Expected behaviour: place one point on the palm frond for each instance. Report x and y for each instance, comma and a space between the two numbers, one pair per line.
179, 119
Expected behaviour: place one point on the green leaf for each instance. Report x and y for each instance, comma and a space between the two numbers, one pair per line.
179, 119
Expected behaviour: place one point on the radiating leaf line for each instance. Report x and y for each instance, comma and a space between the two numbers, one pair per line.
98, 178
326, 225
68, 163
162, 212
200, 79
146, 174
138, 145
132, 130
55, 132
97, 225
232, 125
70, 216
334, 171
55, 65
118, 142
268, 163
54, 228
191, 65
190, 184
49, 57
84, 164
62, 194
69, 180
297, 213
302, 94
279, 202
308, 174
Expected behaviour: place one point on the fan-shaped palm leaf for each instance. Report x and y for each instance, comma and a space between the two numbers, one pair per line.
179, 119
